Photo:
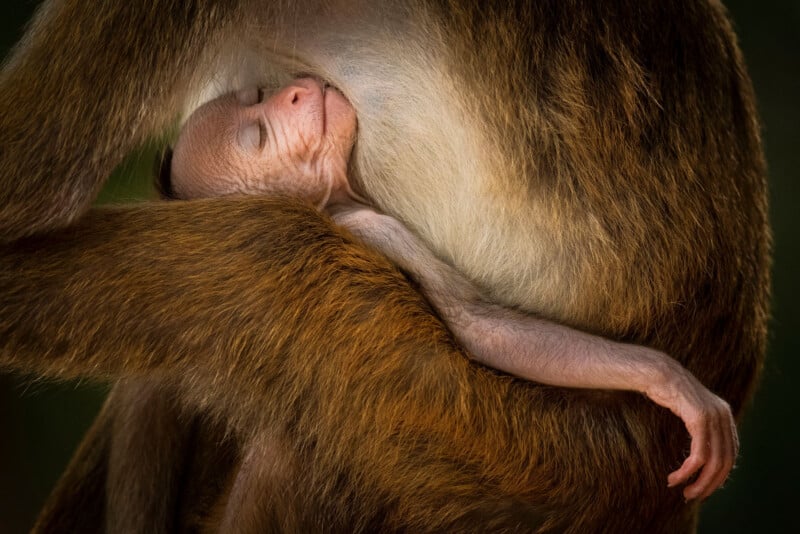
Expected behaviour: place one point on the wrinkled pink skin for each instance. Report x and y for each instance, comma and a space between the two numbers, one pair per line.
298, 142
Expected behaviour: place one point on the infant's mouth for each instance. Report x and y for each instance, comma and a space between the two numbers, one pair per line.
324, 113
327, 88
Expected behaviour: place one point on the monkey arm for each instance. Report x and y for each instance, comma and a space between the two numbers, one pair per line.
115, 281
543, 351
236, 302
113, 83
550, 353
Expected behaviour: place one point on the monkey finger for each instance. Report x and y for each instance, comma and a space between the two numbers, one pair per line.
711, 467
729, 452
689, 467
698, 455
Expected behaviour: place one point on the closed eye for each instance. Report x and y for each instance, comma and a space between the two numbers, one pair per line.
262, 134
262, 127
253, 135
250, 136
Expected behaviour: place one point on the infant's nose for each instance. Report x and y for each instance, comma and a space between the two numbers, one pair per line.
300, 92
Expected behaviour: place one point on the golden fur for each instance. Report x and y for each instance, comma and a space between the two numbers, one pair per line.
598, 163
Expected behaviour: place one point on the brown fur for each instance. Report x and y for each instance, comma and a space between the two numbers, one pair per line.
620, 190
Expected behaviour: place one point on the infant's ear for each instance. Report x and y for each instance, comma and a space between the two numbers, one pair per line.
162, 171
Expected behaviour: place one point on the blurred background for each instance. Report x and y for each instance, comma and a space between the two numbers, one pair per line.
41, 423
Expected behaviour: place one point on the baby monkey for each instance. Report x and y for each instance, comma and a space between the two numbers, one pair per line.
298, 142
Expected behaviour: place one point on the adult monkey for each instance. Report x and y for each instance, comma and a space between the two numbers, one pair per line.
632, 173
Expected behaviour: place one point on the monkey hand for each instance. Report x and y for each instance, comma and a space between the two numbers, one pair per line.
710, 423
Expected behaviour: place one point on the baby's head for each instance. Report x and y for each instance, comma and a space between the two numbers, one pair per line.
297, 141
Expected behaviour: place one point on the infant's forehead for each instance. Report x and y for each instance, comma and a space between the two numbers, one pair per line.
208, 122
203, 146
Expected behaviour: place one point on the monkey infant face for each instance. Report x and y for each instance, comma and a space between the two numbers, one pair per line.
297, 141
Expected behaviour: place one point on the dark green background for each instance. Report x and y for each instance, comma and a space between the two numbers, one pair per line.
41, 423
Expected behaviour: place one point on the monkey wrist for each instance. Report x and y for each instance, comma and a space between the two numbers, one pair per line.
664, 381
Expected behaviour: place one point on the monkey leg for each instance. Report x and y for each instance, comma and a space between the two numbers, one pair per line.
124, 476
264, 493
148, 448
78, 502
132, 471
